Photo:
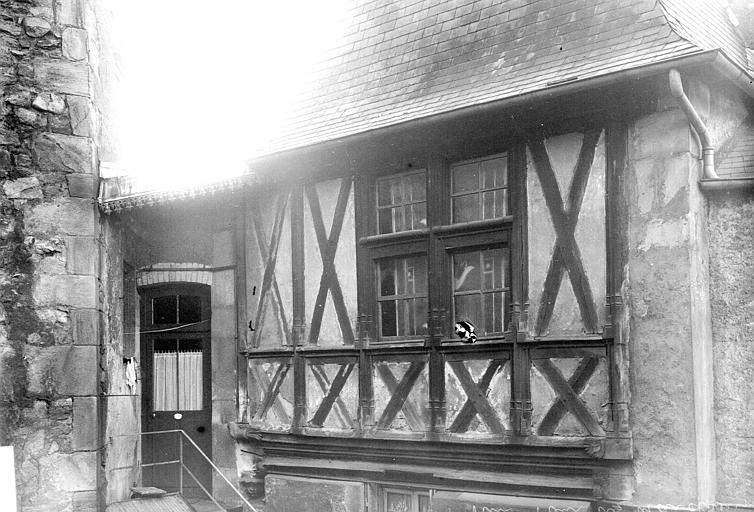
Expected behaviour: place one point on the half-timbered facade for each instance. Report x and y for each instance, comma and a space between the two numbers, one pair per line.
530, 168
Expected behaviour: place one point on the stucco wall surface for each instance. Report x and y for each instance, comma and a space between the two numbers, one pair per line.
662, 407
731, 223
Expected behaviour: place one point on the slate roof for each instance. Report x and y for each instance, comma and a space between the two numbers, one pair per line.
402, 60
737, 159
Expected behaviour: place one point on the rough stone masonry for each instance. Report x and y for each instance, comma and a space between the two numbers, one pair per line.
49, 252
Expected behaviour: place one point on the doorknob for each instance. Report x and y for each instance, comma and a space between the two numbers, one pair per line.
200, 429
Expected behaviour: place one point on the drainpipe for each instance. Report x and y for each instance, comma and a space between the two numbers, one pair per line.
708, 151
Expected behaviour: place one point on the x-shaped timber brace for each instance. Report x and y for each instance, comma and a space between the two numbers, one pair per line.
565, 257
477, 402
565, 254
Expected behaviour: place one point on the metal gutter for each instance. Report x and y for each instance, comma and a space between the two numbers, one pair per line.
727, 184
708, 150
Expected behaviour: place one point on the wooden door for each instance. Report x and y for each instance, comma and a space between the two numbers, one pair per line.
176, 393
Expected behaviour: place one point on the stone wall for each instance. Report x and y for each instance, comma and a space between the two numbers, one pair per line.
49, 247
731, 221
731, 230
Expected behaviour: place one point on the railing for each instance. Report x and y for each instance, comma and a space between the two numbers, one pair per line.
182, 466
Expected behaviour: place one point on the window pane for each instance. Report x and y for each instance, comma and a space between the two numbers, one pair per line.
416, 186
494, 172
419, 215
388, 318
177, 378
387, 278
466, 208
465, 178
403, 296
493, 263
479, 190
398, 502
466, 271
423, 503
488, 205
480, 288
501, 203
389, 191
401, 202
469, 309
189, 309
164, 310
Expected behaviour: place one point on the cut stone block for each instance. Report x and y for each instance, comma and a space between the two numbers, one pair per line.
82, 185
56, 152
85, 326
66, 216
85, 421
82, 255
74, 43
65, 290
79, 108
64, 76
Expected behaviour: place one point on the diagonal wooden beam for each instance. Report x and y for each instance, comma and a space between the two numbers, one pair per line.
468, 410
332, 395
581, 375
327, 248
341, 409
566, 254
263, 251
272, 390
399, 394
568, 396
269, 266
264, 382
477, 396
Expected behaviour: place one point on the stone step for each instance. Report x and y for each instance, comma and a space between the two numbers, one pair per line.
147, 492
165, 503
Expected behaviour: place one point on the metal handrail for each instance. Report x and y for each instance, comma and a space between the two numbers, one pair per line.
183, 466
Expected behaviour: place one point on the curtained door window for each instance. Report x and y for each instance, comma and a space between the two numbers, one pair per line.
177, 375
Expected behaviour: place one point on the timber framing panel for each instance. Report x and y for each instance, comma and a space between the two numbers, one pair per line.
363, 355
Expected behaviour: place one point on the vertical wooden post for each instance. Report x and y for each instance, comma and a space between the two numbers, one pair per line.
239, 241
438, 202
364, 194
520, 407
616, 225
299, 306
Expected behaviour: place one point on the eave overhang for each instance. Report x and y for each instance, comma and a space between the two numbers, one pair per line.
118, 194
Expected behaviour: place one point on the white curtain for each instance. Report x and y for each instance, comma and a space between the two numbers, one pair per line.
190, 380
177, 381
165, 379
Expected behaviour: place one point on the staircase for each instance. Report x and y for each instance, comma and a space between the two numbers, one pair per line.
153, 499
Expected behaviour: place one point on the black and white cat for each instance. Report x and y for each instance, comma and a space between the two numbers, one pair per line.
466, 331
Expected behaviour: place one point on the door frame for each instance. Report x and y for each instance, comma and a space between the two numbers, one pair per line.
150, 331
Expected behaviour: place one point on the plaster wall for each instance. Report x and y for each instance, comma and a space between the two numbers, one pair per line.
689, 301
662, 168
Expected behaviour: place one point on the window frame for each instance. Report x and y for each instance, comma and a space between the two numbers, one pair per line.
438, 241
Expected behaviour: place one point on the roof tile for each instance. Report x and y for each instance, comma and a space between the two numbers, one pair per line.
416, 58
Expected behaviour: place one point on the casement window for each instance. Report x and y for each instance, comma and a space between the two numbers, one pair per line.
405, 500
452, 224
